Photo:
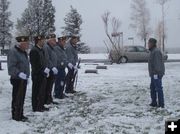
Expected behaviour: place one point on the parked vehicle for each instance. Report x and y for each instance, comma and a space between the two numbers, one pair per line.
132, 54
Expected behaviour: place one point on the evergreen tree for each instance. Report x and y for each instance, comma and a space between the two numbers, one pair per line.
37, 18
73, 22
48, 17
5, 24
83, 48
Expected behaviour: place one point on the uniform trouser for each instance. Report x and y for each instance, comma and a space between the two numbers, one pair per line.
48, 90
157, 91
38, 91
18, 96
59, 83
70, 79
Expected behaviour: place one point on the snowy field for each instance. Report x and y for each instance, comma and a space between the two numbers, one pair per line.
113, 101
103, 56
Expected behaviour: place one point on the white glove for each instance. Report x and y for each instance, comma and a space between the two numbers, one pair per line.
46, 71
55, 71
22, 76
155, 76
70, 65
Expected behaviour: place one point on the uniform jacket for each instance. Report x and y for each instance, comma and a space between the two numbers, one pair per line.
50, 55
62, 61
37, 60
72, 54
17, 61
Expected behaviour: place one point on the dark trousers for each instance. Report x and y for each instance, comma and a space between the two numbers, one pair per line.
70, 79
157, 91
59, 83
48, 90
38, 92
18, 96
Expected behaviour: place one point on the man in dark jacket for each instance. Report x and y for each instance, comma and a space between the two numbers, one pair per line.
19, 71
62, 63
72, 56
39, 74
156, 71
52, 65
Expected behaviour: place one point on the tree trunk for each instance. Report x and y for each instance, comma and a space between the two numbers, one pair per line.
145, 42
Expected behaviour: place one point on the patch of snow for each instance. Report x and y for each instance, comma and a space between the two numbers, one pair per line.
113, 101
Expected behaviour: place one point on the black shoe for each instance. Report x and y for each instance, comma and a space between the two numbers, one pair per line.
67, 91
24, 118
63, 96
45, 109
16, 119
73, 91
153, 105
161, 106
56, 103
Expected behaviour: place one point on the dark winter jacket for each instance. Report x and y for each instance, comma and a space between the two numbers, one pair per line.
17, 61
156, 62
62, 61
72, 54
50, 55
37, 60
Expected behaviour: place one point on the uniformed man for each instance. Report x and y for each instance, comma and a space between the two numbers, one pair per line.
72, 56
40, 72
61, 65
19, 71
52, 65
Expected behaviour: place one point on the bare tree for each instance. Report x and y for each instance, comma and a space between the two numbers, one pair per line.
162, 3
112, 43
140, 17
159, 33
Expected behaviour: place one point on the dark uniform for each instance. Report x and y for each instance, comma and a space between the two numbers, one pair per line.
61, 65
19, 71
38, 65
51, 63
72, 56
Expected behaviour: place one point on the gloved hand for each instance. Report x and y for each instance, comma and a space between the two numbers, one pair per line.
55, 71
46, 71
22, 76
155, 76
70, 65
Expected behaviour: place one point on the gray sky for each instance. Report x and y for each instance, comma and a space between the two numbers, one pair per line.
93, 27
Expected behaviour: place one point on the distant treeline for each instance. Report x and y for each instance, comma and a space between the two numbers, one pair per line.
173, 50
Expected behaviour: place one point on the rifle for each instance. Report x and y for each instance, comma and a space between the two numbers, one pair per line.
76, 74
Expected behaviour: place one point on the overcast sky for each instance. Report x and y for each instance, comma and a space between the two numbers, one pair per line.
92, 10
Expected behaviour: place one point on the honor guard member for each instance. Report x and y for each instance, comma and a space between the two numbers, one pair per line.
19, 71
156, 71
39, 74
61, 65
72, 56
52, 65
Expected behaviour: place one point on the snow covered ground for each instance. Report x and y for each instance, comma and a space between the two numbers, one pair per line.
113, 101
103, 56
